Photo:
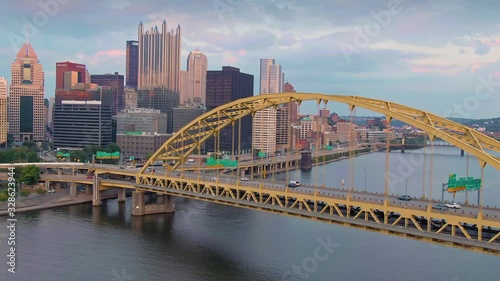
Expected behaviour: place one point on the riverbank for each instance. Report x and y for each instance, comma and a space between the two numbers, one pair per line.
49, 201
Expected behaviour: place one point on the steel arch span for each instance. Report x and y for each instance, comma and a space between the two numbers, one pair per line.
190, 137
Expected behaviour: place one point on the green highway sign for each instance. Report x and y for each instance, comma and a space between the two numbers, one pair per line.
107, 155
221, 163
462, 184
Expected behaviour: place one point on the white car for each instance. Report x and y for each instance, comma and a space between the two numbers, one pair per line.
244, 179
52, 191
453, 205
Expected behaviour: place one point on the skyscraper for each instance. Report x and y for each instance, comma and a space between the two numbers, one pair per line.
3, 111
132, 63
197, 81
83, 122
26, 109
159, 58
116, 83
184, 87
79, 70
224, 86
264, 121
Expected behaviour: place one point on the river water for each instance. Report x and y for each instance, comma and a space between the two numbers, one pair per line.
204, 241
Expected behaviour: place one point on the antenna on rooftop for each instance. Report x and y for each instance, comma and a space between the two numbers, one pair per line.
27, 41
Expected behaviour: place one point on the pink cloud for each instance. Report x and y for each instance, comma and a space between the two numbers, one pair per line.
111, 53
431, 69
242, 52
493, 43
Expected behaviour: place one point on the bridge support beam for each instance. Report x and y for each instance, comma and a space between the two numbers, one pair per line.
58, 186
59, 171
122, 192
96, 193
72, 189
164, 204
47, 185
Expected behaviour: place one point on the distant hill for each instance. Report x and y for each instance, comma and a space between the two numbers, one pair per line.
491, 124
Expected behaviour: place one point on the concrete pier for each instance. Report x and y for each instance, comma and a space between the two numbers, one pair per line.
122, 192
164, 204
96, 193
305, 160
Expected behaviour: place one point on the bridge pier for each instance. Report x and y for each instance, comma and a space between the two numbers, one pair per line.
164, 204
305, 160
59, 171
72, 189
58, 186
47, 185
122, 192
96, 193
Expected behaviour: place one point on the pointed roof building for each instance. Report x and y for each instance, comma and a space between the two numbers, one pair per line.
27, 52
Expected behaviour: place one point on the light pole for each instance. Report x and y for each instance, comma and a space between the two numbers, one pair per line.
365, 176
406, 188
25, 157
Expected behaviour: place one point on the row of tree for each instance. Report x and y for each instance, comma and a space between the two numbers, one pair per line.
25, 153
86, 154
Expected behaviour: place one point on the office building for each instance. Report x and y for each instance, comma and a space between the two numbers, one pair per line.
224, 86
162, 99
132, 64
159, 58
116, 83
293, 107
183, 115
83, 122
138, 145
197, 77
264, 121
26, 97
4, 129
51, 111
130, 98
283, 128
184, 87
141, 120
77, 73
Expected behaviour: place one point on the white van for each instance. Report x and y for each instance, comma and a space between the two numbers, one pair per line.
297, 183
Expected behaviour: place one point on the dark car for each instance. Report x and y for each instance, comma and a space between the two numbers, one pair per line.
292, 185
404, 197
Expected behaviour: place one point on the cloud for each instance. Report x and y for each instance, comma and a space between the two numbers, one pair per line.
434, 48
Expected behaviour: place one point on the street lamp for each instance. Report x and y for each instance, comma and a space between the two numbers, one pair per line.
406, 188
365, 176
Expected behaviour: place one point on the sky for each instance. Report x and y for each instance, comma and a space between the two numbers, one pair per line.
441, 56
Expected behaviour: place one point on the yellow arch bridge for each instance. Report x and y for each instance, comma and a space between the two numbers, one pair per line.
475, 228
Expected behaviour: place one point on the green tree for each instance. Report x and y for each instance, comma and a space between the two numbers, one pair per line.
112, 147
30, 174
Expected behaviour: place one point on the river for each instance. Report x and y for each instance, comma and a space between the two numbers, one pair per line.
205, 241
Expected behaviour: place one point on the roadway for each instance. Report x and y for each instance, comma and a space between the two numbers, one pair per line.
360, 196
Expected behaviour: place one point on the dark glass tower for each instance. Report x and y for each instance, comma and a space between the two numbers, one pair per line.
116, 83
132, 64
224, 86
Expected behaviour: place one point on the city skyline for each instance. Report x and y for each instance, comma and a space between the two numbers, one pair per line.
412, 59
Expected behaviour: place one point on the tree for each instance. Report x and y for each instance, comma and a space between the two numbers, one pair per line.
30, 174
112, 147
